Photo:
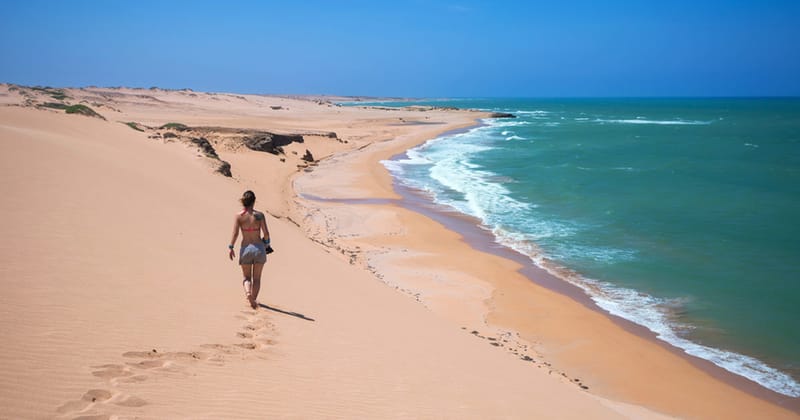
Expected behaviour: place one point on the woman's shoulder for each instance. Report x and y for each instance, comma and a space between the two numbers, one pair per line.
258, 215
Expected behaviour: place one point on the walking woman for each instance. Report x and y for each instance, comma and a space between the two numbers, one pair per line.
253, 251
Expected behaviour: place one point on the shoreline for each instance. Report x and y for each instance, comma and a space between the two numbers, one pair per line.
469, 231
370, 309
484, 241
481, 239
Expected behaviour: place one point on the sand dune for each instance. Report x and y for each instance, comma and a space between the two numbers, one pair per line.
119, 300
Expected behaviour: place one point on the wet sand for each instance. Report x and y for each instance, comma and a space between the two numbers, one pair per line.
120, 300
569, 334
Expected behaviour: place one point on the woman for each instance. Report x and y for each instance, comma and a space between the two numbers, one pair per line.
253, 251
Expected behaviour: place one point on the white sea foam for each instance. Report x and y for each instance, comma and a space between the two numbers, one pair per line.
506, 123
505, 132
515, 138
598, 254
657, 122
755, 146
537, 112
397, 166
653, 313
464, 186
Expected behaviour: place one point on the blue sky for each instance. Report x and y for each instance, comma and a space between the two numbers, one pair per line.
409, 48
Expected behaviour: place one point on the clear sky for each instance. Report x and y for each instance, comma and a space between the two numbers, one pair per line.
409, 48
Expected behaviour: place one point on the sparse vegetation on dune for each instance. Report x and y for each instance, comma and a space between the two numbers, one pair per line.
54, 105
134, 126
57, 94
174, 126
82, 110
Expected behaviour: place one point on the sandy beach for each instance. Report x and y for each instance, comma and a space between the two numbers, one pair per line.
120, 301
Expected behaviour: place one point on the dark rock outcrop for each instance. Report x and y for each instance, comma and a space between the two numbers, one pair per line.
269, 142
501, 115
224, 168
308, 157
205, 146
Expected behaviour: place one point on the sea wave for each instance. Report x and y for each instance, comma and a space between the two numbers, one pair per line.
537, 112
656, 122
412, 158
654, 313
453, 179
497, 123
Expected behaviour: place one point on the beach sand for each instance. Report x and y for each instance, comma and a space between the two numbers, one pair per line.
120, 302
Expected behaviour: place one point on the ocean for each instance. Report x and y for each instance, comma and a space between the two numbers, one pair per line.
681, 215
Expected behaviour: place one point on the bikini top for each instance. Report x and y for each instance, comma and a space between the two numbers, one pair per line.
244, 229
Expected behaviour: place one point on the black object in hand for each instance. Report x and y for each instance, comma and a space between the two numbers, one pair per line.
269, 249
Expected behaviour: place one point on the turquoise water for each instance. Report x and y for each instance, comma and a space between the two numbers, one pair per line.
679, 214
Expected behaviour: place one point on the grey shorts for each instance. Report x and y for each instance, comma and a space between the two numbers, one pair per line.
253, 254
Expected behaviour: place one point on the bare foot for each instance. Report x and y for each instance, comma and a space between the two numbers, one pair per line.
248, 293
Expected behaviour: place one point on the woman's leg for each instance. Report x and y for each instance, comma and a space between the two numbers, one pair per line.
257, 268
247, 272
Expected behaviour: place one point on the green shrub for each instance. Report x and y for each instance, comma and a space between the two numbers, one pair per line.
175, 126
134, 126
55, 105
82, 110
54, 93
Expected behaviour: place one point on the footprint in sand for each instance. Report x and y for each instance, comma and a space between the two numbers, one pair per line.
258, 331
93, 417
90, 397
111, 371
131, 401
93, 400
186, 355
152, 354
148, 364
134, 379
219, 349
248, 346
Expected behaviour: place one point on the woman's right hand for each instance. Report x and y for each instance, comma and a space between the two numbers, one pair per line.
231, 254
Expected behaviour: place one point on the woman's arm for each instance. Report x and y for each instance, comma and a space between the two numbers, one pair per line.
264, 227
235, 235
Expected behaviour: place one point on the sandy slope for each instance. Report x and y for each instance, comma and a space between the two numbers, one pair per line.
118, 299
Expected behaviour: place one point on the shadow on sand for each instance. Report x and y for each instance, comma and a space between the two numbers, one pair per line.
294, 314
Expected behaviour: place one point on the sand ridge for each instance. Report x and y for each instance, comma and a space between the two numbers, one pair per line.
119, 249
443, 271
121, 302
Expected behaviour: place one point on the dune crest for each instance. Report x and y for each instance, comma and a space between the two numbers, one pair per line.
119, 298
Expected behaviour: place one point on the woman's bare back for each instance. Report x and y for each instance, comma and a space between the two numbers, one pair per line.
252, 224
